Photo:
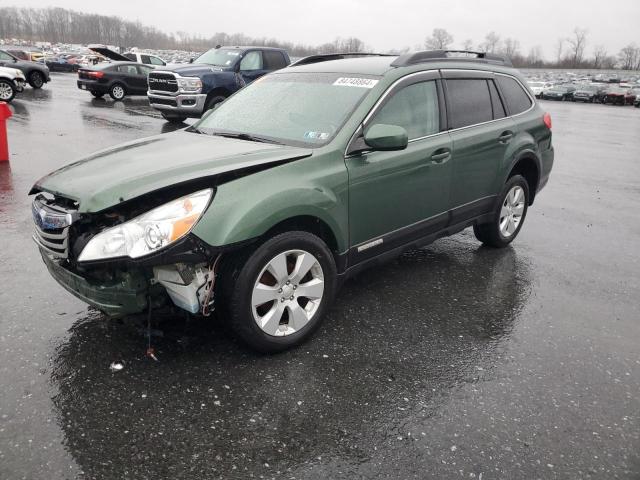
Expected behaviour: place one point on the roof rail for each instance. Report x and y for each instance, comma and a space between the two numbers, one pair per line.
325, 57
463, 55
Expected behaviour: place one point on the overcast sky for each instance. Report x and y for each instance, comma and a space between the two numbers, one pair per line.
383, 25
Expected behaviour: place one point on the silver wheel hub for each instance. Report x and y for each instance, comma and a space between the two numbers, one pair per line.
5, 91
287, 293
512, 211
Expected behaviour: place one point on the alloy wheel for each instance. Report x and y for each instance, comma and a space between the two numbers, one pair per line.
511, 211
118, 92
287, 293
6, 92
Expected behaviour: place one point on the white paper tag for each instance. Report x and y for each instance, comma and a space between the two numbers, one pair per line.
355, 82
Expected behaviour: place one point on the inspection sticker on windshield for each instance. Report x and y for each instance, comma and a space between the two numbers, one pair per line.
355, 82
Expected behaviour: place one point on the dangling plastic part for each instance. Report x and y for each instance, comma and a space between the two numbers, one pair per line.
209, 300
150, 353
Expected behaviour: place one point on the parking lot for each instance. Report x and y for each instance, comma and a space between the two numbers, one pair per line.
453, 361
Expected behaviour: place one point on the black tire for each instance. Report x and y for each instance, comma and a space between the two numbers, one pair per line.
173, 118
7, 89
97, 94
36, 79
117, 91
213, 101
239, 274
489, 233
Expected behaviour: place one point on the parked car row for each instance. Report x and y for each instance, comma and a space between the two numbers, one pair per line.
15, 73
617, 94
180, 91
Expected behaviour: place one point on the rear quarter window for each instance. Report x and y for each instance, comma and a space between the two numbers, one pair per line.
469, 102
516, 97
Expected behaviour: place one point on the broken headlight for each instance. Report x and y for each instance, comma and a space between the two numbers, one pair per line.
150, 231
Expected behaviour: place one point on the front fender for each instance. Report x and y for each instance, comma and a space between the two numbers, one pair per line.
249, 207
213, 80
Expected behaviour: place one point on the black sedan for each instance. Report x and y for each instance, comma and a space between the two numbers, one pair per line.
562, 92
36, 73
118, 79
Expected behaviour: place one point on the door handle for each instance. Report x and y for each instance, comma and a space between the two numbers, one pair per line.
505, 137
441, 156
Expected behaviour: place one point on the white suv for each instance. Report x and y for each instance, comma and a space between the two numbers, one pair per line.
12, 81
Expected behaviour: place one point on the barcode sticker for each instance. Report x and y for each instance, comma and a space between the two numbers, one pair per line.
355, 82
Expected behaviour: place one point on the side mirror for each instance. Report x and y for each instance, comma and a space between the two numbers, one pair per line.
191, 60
386, 137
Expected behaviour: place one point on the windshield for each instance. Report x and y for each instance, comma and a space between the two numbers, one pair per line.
303, 109
220, 57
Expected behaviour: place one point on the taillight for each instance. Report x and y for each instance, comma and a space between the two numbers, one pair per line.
547, 120
95, 74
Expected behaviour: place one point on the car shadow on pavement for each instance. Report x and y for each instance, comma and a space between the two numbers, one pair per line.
400, 340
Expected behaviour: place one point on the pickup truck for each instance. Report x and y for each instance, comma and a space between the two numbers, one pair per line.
182, 91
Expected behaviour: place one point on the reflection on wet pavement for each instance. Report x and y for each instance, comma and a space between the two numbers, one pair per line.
392, 349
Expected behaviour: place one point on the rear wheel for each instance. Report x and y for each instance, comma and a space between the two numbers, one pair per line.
7, 90
509, 215
117, 91
36, 79
173, 118
277, 295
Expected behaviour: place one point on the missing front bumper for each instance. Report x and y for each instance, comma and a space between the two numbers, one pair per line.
127, 296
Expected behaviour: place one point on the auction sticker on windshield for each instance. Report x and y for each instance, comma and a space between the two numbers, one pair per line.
355, 82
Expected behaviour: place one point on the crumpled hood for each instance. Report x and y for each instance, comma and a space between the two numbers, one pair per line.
124, 172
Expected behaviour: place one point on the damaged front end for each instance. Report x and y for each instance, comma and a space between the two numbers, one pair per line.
135, 256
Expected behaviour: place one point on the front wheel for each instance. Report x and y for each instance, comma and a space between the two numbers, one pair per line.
7, 90
117, 92
173, 118
36, 79
277, 295
213, 102
97, 94
509, 215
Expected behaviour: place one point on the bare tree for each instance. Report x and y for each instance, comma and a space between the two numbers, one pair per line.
510, 47
491, 42
599, 56
467, 45
534, 58
440, 39
577, 43
559, 49
629, 57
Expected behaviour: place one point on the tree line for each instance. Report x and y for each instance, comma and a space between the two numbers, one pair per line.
59, 25
569, 52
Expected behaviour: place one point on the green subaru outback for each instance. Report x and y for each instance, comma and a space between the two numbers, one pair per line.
306, 176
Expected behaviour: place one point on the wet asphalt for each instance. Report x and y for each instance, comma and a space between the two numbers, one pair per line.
453, 361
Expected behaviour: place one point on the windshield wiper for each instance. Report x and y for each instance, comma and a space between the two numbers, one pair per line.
247, 136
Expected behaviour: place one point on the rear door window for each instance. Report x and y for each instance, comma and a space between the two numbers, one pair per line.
517, 99
415, 108
273, 60
469, 102
128, 69
145, 59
